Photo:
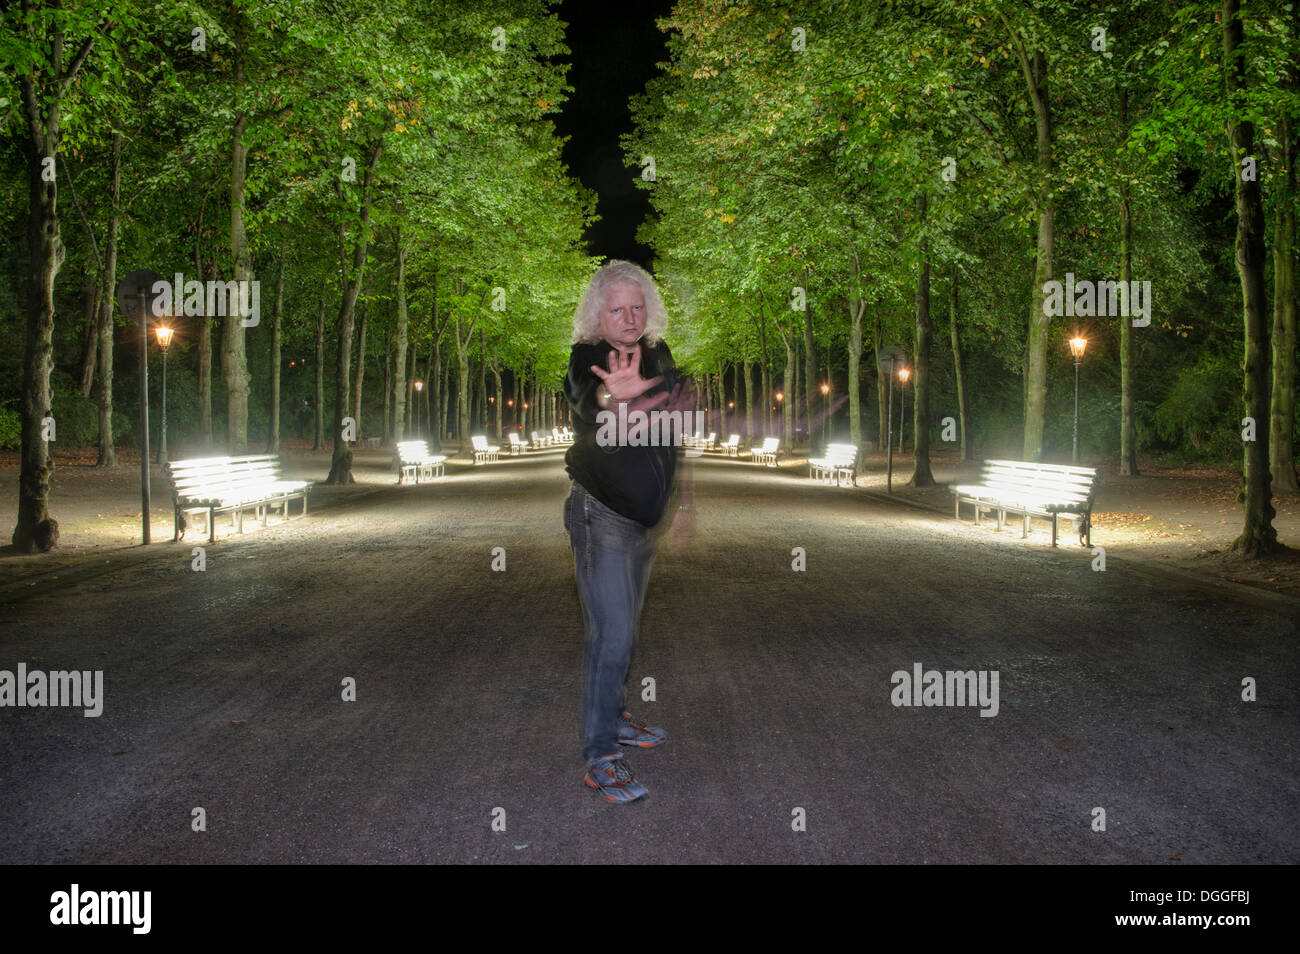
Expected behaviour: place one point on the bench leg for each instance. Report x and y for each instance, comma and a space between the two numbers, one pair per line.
212, 525
1024, 529
1054, 516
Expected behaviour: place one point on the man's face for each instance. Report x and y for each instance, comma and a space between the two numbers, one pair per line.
622, 317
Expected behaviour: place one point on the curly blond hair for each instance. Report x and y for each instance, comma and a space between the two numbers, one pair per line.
586, 318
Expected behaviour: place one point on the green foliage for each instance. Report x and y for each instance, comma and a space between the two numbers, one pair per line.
1201, 413
10, 429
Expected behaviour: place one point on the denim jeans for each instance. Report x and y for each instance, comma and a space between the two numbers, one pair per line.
611, 559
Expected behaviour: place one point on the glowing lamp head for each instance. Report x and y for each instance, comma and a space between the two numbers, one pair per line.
419, 386
826, 389
1078, 345
164, 337
904, 374
780, 396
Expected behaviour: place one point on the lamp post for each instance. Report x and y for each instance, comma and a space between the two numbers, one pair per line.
903, 374
164, 342
419, 387
780, 398
1078, 344
826, 423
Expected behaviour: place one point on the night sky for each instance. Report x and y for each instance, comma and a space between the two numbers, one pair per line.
614, 52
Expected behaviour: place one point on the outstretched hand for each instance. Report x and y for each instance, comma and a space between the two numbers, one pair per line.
624, 382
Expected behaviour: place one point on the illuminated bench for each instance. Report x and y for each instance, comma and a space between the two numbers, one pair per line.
706, 443
212, 485
517, 444
414, 459
1049, 491
731, 447
560, 437
540, 440
767, 452
482, 450
840, 460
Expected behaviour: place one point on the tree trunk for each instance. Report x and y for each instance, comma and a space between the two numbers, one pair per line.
857, 306
400, 345
341, 462
89, 328
1258, 535
959, 368
205, 361
234, 356
765, 374
319, 408
360, 375
104, 326
812, 393
499, 406
922, 476
1128, 466
1045, 210
1282, 417
277, 318
388, 390
35, 530
883, 383
747, 433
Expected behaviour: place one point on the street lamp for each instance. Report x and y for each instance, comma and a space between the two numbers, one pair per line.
419, 388
164, 342
826, 424
903, 374
1078, 344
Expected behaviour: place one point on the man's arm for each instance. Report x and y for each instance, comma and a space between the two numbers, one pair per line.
580, 387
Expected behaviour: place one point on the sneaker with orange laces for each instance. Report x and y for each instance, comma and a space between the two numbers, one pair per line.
631, 732
613, 781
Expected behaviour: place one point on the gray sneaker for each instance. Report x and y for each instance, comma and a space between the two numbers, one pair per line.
612, 780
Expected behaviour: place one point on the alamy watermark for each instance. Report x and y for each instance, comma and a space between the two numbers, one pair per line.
646, 429
1105, 299
213, 298
950, 688
37, 689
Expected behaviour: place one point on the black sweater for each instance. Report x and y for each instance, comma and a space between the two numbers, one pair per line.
632, 481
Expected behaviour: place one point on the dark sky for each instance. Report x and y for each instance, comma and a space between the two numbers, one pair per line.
614, 51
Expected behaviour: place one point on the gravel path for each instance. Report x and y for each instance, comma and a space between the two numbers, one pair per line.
1118, 690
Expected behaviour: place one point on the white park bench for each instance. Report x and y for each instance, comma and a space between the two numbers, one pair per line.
413, 458
767, 452
482, 450
541, 440
731, 446
212, 485
559, 436
840, 460
517, 444
568, 434
706, 443
1049, 491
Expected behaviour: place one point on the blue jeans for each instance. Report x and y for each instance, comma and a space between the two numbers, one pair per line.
611, 559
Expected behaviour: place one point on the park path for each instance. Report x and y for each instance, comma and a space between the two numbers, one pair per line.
1119, 690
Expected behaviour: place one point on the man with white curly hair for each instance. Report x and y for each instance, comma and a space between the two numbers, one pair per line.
619, 493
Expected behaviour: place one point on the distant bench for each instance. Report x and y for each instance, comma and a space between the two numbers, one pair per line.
212, 485
1049, 491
